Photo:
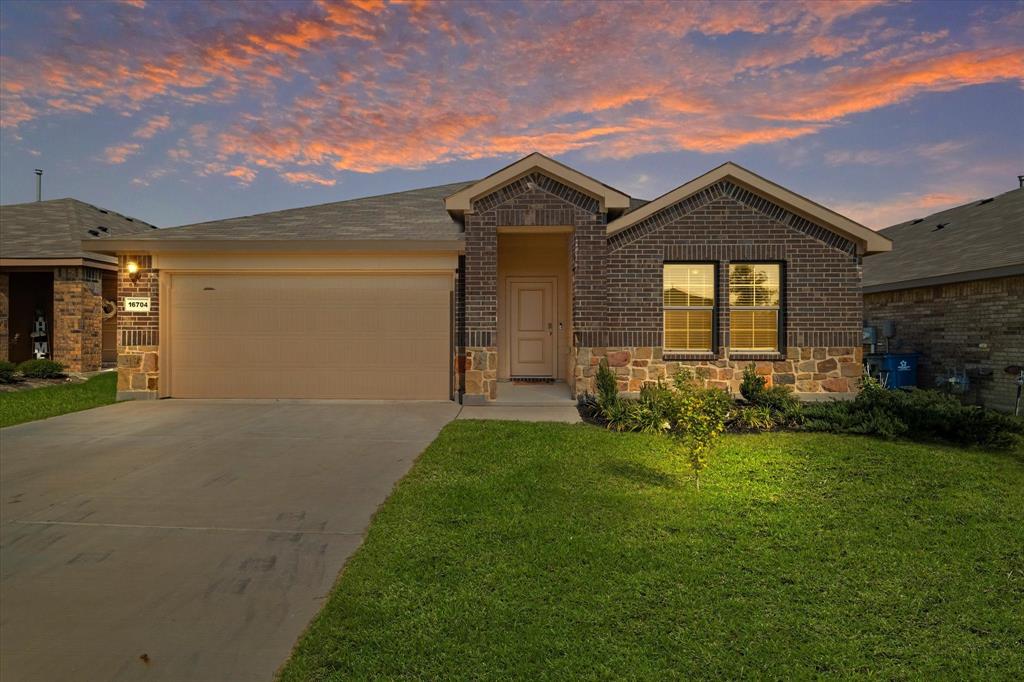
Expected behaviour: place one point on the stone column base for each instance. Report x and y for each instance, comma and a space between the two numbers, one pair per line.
138, 372
479, 375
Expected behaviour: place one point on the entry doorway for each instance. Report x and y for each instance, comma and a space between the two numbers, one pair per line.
532, 339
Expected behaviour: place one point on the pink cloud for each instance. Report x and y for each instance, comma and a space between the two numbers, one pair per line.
119, 153
152, 127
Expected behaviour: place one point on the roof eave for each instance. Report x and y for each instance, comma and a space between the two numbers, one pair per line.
948, 278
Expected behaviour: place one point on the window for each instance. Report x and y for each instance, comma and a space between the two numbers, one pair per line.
688, 297
755, 294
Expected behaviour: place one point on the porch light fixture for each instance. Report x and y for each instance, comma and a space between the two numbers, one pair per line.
133, 270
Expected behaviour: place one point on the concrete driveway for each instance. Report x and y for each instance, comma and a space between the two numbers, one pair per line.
187, 540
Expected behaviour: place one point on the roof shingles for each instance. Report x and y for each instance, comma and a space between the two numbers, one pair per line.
55, 228
981, 235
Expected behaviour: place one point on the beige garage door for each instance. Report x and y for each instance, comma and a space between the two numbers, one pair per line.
310, 336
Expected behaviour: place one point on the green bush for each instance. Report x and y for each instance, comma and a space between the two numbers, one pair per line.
41, 369
753, 418
918, 414
607, 385
6, 372
753, 385
779, 401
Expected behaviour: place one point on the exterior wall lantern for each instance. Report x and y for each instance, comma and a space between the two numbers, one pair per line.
133, 270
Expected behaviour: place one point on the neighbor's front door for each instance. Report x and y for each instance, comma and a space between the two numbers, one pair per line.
531, 327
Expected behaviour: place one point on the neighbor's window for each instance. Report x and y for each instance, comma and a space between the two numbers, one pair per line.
754, 299
688, 296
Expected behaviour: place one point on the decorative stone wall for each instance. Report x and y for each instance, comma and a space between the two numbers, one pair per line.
977, 327
479, 372
138, 333
821, 370
5, 313
78, 318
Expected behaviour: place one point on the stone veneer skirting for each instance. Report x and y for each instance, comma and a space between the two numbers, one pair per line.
808, 369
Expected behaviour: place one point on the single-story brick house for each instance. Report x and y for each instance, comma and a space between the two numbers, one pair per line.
52, 291
953, 289
534, 272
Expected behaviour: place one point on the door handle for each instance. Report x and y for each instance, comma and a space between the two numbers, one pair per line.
549, 329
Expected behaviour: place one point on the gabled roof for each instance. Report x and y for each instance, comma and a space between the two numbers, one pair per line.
868, 240
980, 239
54, 230
611, 200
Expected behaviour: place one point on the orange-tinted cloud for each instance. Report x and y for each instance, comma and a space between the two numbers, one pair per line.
152, 127
365, 85
120, 153
306, 178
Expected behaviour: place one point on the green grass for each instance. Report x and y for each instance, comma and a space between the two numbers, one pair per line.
17, 407
547, 551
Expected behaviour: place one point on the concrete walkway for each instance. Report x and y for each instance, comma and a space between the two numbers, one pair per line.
187, 540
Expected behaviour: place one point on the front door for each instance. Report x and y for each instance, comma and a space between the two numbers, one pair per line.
531, 328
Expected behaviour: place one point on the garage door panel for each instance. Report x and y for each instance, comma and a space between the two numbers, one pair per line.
317, 336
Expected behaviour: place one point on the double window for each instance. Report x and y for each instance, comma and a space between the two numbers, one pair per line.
689, 302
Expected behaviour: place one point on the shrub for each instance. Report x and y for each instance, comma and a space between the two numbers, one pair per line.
919, 414
41, 369
753, 418
607, 385
6, 372
779, 400
753, 385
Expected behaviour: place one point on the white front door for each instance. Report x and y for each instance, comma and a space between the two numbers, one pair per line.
531, 328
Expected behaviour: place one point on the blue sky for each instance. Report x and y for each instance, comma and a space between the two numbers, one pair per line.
179, 112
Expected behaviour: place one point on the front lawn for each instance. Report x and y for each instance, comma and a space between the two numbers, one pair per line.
550, 551
39, 403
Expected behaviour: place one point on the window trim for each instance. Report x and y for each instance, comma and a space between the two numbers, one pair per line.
683, 353
780, 331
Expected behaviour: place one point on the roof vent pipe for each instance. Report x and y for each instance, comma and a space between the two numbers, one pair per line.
39, 184
1020, 179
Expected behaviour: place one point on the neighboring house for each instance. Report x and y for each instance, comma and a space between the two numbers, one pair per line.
45, 272
534, 273
953, 286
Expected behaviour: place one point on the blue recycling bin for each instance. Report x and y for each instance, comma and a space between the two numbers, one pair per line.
901, 369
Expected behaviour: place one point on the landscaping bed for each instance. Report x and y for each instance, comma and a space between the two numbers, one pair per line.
551, 551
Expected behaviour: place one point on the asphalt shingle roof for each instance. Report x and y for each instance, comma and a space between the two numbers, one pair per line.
55, 228
417, 214
981, 235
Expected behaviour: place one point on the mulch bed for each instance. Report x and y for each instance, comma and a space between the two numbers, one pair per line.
29, 384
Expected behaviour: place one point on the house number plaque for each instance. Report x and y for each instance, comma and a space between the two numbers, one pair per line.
136, 305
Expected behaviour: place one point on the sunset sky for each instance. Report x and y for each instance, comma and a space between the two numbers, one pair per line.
178, 112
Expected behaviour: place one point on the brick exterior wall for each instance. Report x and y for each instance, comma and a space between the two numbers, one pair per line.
78, 318
138, 334
975, 326
533, 200
5, 314
617, 280
722, 224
